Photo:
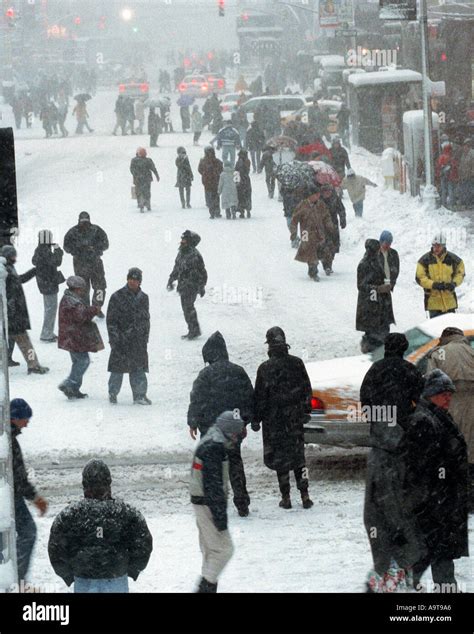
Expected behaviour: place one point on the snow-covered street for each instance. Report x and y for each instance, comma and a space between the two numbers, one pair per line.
254, 283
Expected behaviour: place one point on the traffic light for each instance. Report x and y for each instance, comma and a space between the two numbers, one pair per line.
10, 13
221, 4
102, 23
77, 20
443, 57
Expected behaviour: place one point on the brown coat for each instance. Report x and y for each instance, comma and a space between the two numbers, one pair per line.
455, 357
317, 229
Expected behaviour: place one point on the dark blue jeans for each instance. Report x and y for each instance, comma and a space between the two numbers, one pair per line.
26, 537
80, 363
359, 208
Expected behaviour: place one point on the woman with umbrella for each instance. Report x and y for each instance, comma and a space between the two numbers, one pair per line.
80, 110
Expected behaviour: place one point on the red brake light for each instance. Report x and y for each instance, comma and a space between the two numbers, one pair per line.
144, 87
220, 83
204, 87
182, 87
122, 88
316, 403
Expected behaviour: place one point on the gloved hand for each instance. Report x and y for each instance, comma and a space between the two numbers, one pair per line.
202, 291
343, 224
255, 426
439, 286
384, 288
170, 286
450, 286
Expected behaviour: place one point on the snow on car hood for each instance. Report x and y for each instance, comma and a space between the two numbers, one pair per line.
342, 372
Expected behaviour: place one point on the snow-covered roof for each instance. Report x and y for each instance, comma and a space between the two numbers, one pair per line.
384, 77
332, 60
434, 327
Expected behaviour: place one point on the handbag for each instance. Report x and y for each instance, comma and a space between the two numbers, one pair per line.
134, 192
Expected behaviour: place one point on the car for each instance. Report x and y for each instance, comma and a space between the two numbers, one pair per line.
194, 86
233, 100
330, 106
286, 104
216, 83
134, 89
336, 383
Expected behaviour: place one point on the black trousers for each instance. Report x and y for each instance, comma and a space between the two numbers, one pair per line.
442, 571
153, 139
94, 275
143, 191
284, 480
187, 200
190, 315
237, 477
270, 181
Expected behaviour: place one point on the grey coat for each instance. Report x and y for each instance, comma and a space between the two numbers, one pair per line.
228, 189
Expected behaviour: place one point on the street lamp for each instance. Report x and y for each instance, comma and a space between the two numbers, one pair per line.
126, 14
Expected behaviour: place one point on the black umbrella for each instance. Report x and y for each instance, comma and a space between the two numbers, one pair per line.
83, 96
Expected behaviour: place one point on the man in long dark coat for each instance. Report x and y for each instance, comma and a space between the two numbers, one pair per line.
128, 325
436, 482
222, 386
389, 393
86, 243
282, 404
374, 302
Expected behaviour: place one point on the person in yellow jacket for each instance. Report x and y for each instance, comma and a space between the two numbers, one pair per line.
439, 272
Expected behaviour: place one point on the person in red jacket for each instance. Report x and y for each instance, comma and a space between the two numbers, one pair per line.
447, 174
78, 334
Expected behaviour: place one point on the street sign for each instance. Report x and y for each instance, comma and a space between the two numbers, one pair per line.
397, 10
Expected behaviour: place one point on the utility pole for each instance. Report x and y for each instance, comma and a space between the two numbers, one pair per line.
8, 566
430, 194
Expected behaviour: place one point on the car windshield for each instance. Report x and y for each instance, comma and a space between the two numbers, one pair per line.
416, 339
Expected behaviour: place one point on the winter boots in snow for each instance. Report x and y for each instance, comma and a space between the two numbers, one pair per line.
285, 502
206, 586
313, 272
306, 500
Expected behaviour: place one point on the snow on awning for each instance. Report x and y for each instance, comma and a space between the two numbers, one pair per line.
384, 77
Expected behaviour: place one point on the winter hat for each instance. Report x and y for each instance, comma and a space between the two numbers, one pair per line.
230, 423
84, 217
19, 409
372, 246
181, 150
74, 281
396, 344
195, 107
450, 331
386, 236
135, 274
8, 252
96, 474
437, 382
141, 152
45, 237
209, 151
350, 172
191, 238
275, 336
215, 349
439, 238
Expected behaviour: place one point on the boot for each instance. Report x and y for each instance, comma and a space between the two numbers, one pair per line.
206, 586
306, 500
285, 502
40, 369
